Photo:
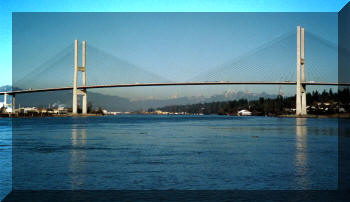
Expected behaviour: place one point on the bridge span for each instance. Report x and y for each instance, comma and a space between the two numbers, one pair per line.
176, 84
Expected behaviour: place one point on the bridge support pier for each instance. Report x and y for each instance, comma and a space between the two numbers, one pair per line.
301, 88
13, 103
5, 100
77, 69
7, 105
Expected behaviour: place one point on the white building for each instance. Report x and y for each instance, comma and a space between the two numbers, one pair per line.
30, 110
244, 112
60, 110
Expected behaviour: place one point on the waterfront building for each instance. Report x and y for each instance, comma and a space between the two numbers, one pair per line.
244, 112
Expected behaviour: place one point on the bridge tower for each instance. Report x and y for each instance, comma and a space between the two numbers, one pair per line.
5, 100
12, 105
301, 87
78, 69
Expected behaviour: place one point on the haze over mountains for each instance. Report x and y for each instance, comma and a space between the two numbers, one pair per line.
116, 103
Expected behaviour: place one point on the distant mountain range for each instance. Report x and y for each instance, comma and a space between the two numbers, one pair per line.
5, 88
116, 103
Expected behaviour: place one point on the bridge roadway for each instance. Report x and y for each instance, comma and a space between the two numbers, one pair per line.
177, 84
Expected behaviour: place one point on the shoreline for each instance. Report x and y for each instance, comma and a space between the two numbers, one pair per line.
46, 116
343, 115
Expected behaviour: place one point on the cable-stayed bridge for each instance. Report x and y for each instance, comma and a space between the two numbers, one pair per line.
222, 72
179, 84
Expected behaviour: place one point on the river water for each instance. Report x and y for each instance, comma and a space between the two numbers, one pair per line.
136, 152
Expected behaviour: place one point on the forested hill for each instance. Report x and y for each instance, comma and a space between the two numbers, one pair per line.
326, 102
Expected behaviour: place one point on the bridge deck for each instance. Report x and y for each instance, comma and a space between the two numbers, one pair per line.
177, 84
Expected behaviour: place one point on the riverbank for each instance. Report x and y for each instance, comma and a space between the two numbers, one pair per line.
342, 115
5, 115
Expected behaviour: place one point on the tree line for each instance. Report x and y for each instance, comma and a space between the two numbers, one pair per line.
327, 102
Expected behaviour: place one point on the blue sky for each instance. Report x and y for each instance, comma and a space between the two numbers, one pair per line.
7, 7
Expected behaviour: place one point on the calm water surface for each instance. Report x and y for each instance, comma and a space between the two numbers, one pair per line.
172, 152
5, 156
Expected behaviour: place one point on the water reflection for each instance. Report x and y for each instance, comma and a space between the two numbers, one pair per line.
301, 156
78, 157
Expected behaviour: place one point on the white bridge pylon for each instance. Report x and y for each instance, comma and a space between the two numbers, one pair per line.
78, 69
301, 87
8, 105
300, 80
